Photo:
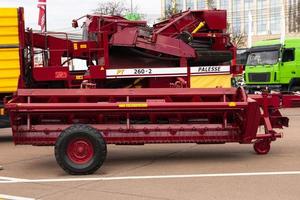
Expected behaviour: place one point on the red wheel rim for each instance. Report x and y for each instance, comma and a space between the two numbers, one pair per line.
80, 150
262, 147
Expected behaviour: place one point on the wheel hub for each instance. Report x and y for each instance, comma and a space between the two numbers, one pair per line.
80, 150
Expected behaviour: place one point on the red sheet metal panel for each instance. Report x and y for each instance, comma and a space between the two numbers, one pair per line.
289, 101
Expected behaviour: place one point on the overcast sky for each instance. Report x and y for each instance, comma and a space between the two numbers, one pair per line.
61, 12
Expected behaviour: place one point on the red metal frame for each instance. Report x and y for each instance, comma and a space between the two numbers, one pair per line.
283, 100
130, 116
21, 28
290, 101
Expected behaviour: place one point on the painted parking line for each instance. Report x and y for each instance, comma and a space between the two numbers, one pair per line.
9, 197
186, 176
5, 178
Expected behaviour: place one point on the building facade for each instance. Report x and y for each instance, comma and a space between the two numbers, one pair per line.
266, 15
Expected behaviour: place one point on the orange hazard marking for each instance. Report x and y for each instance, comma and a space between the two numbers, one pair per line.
1, 111
232, 104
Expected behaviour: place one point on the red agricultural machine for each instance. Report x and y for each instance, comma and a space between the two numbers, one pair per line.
135, 90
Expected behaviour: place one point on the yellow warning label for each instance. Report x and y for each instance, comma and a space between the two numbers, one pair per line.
120, 71
211, 81
133, 105
83, 46
78, 77
232, 104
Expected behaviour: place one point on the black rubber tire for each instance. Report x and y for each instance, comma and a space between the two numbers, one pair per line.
88, 133
295, 89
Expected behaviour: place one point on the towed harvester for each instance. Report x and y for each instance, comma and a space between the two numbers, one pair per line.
121, 53
136, 89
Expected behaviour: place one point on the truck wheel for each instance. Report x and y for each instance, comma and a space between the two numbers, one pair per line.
262, 147
80, 149
295, 89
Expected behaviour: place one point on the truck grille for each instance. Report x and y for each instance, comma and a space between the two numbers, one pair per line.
259, 77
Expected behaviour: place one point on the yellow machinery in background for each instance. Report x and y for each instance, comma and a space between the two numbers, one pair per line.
9, 55
9, 50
